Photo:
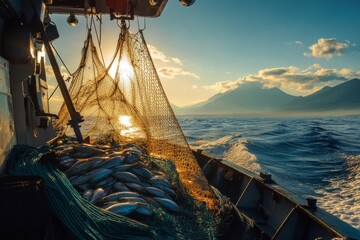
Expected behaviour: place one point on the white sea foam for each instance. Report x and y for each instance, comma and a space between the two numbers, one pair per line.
240, 155
206, 144
237, 151
218, 142
342, 196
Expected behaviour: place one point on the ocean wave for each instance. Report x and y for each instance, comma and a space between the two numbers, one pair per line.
342, 196
240, 155
206, 144
302, 154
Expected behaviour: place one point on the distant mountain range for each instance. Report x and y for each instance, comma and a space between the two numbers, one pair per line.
252, 98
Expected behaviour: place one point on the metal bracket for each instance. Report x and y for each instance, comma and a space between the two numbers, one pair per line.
130, 15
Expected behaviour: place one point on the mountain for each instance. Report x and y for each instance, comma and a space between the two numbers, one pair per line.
176, 109
248, 97
253, 98
344, 96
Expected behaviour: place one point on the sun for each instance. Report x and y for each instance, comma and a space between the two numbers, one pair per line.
124, 70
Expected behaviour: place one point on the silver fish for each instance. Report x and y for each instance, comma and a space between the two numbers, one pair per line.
122, 208
79, 168
60, 147
167, 190
79, 180
135, 186
67, 165
133, 149
113, 162
157, 180
167, 204
157, 192
145, 184
131, 199
120, 187
80, 155
98, 194
87, 194
151, 201
66, 158
74, 166
158, 173
83, 187
130, 159
104, 147
142, 172
126, 177
87, 149
98, 161
72, 178
105, 204
106, 183
115, 196
124, 167
86, 145
99, 174
144, 209
63, 149
115, 154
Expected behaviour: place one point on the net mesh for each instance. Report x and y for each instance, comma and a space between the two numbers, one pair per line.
132, 106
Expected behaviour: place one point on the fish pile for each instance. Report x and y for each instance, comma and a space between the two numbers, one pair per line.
116, 178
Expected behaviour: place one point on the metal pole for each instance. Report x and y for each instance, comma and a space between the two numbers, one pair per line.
76, 118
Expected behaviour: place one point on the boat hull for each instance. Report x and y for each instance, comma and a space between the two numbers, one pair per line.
274, 211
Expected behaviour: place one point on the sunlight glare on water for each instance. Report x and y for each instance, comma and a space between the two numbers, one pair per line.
127, 127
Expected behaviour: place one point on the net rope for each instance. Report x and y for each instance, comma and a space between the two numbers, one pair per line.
131, 105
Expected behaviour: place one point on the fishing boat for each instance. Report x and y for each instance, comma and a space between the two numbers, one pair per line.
261, 206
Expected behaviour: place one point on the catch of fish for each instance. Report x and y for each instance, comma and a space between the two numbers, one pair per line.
116, 178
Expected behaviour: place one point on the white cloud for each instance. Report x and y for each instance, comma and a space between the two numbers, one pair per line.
327, 48
195, 86
224, 86
56, 101
50, 73
177, 60
315, 66
350, 44
291, 79
171, 72
300, 43
157, 54
51, 87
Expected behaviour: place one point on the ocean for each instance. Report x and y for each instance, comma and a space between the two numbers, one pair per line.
310, 156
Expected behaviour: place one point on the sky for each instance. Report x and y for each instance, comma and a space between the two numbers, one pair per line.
214, 46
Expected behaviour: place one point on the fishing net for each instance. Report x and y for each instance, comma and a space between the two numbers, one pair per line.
132, 106
81, 218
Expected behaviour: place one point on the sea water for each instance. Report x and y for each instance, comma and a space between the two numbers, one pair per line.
309, 156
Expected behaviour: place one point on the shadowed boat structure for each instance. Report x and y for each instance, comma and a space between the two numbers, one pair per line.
274, 211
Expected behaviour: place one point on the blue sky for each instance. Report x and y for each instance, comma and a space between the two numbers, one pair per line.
215, 46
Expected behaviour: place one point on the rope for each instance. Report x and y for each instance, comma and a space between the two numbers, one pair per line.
57, 86
61, 59
98, 38
138, 23
68, 79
